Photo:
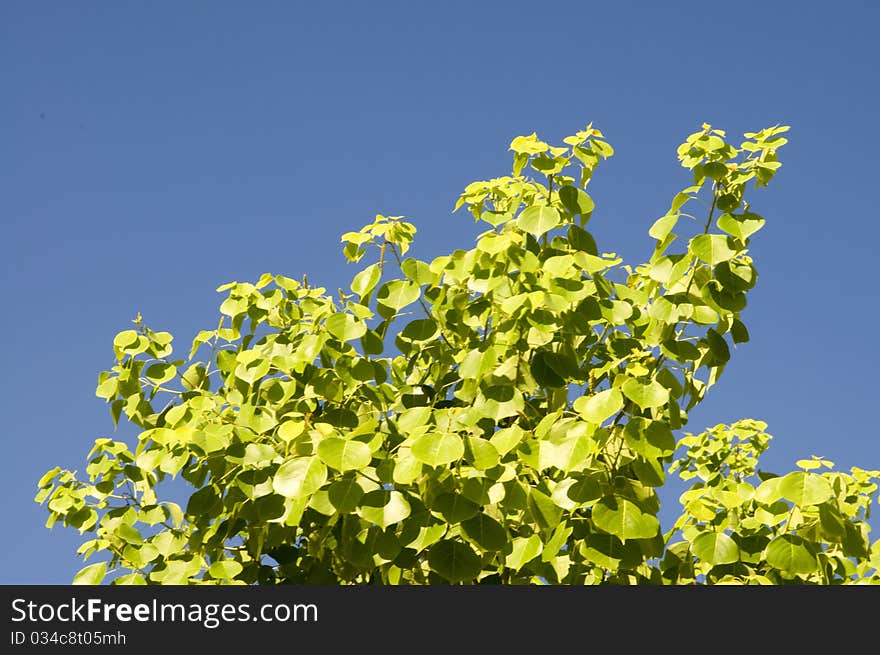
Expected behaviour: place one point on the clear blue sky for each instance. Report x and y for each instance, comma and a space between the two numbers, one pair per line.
152, 151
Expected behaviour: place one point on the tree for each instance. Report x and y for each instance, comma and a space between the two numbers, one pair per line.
504, 414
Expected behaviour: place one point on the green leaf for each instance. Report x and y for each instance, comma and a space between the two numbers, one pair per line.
739, 331
604, 149
582, 240
344, 454
599, 407
669, 269
741, 227
371, 343
663, 226
576, 201
413, 418
645, 394
556, 542
712, 248
528, 145
417, 271
804, 489
789, 554
345, 327
365, 281
175, 512
107, 389
256, 454
130, 579
234, 306
91, 574
833, 525
524, 550
300, 477
681, 351
345, 494
650, 439
486, 532
494, 243
252, 370
663, 310
481, 454
159, 373
715, 170
203, 502
618, 516
545, 512
507, 439
768, 491
718, 346
715, 548
609, 552
584, 490
384, 507
397, 294
538, 219
455, 508
123, 340
682, 197
421, 329
454, 561
649, 471
616, 311
569, 451
290, 430
438, 449
225, 569
48, 476
543, 370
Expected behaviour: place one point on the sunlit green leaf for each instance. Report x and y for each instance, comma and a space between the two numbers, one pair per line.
299, 477
804, 488
345, 327
438, 449
365, 281
789, 553
507, 439
538, 219
712, 248
618, 516
645, 394
524, 550
715, 548
741, 227
397, 294
384, 507
225, 569
600, 406
481, 453
91, 574
344, 454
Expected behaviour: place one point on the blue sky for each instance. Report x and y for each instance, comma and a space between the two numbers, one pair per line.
153, 151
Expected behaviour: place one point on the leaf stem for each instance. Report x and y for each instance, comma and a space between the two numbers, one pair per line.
705, 231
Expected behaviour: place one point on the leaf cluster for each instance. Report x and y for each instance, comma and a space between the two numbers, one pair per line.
503, 414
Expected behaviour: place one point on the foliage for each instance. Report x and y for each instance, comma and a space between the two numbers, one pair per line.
504, 414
